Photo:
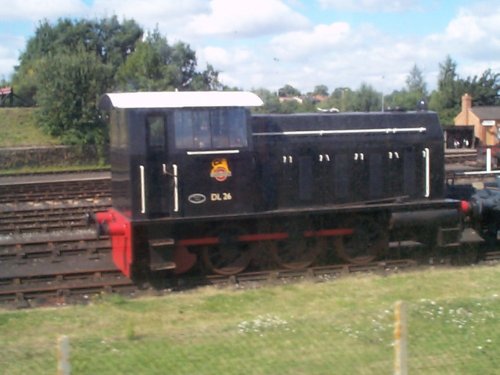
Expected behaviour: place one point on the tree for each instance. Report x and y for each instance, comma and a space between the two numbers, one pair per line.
69, 86
111, 41
446, 100
155, 65
270, 99
66, 67
288, 91
207, 80
485, 89
115, 41
342, 98
320, 90
366, 99
412, 94
415, 82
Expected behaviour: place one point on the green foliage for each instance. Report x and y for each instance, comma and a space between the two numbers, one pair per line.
270, 99
157, 66
206, 80
446, 100
415, 82
485, 90
69, 88
411, 95
341, 98
66, 67
111, 41
288, 91
367, 99
320, 90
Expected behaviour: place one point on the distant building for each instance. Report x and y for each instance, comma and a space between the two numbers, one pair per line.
6, 96
485, 120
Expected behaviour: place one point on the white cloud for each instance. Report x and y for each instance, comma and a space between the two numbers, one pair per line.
35, 10
226, 59
390, 6
269, 43
340, 54
473, 36
300, 44
238, 66
255, 18
168, 15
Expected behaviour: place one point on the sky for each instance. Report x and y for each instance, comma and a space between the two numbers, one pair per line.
304, 43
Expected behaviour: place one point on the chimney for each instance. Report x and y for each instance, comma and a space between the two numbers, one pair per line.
466, 106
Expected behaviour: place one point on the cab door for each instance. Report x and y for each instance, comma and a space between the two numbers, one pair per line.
156, 172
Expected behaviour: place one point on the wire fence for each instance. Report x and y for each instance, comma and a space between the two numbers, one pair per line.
441, 339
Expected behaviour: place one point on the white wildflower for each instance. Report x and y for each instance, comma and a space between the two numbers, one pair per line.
262, 323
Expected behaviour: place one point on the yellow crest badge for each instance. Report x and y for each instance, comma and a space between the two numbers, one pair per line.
220, 170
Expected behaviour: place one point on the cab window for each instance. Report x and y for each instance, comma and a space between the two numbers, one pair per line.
202, 129
156, 131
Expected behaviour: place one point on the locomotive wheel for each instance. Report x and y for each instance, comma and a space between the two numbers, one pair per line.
297, 252
229, 257
368, 240
183, 259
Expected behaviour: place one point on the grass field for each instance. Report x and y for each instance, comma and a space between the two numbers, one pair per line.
343, 326
18, 128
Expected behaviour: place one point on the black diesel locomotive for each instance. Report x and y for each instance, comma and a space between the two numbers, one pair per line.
197, 177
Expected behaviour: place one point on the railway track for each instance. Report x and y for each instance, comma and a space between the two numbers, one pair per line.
55, 190
461, 156
56, 264
77, 278
47, 255
47, 252
320, 273
50, 217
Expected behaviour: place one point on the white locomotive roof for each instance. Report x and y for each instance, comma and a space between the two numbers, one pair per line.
181, 99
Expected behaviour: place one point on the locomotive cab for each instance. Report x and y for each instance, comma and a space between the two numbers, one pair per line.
180, 154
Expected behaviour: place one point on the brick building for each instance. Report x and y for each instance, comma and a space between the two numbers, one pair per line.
485, 120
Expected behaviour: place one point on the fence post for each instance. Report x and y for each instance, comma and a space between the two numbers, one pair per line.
488, 159
63, 364
400, 339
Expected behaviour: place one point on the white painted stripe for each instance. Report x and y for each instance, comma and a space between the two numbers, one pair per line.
340, 132
176, 188
427, 156
213, 152
143, 189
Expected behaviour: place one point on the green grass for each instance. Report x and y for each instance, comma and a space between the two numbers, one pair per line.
338, 327
18, 128
54, 169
